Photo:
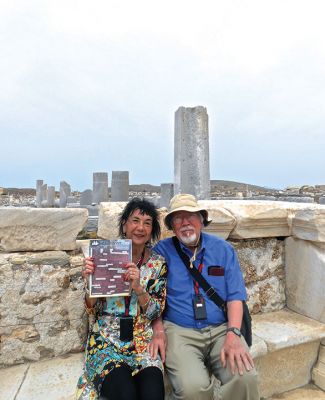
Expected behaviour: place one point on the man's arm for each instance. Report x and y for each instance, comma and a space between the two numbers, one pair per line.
233, 350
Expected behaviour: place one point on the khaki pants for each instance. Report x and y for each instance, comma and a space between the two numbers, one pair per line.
193, 355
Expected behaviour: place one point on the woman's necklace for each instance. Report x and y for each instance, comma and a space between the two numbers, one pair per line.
140, 261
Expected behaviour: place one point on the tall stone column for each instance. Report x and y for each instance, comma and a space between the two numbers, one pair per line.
191, 152
39, 184
65, 192
100, 187
120, 186
50, 196
44, 195
166, 193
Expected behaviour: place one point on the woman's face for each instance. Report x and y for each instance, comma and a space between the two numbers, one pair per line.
138, 228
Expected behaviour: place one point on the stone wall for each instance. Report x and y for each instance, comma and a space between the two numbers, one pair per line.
41, 297
262, 264
41, 291
41, 306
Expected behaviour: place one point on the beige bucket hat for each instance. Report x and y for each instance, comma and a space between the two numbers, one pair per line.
185, 202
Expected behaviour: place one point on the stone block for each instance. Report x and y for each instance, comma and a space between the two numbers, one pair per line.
262, 264
52, 380
308, 392
258, 348
305, 278
31, 229
319, 369
292, 342
86, 198
286, 369
310, 224
258, 219
261, 219
318, 376
285, 328
41, 306
223, 221
11, 380
108, 219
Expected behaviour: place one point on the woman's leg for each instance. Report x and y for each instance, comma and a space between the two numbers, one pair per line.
150, 384
119, 384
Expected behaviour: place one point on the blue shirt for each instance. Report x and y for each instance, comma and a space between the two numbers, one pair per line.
214, 251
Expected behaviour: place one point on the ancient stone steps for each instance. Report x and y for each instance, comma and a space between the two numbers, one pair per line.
285, 348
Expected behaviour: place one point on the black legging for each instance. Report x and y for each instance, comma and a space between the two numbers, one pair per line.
148, 384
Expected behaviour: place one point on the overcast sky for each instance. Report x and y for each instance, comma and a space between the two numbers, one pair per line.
91, 86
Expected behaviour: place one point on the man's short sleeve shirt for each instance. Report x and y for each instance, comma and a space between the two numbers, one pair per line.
229, 283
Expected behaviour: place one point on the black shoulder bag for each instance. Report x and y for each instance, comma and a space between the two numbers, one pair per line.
246, 326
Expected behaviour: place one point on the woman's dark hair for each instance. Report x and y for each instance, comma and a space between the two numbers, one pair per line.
145, 207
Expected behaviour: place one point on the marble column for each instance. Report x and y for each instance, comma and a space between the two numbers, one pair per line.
100, 187
120, 186
166, 193
191, 152
39, 184
65, 192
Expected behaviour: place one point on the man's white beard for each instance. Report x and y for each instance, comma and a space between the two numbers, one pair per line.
189, 240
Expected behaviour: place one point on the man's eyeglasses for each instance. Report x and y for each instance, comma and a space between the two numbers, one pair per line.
190, 217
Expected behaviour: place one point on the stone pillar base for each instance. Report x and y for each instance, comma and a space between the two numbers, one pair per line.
319, 369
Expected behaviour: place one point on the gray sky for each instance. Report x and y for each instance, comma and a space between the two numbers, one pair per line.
93, 86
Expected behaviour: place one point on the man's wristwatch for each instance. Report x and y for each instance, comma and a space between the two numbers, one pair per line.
236, 331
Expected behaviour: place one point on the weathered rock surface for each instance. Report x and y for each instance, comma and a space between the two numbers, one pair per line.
108, 219
41, 306
305, 278
262, 264
260, 219
32, 229
319, 369
292, 342
310, 225
223, 221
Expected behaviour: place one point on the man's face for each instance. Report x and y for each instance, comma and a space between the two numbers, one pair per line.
187, 227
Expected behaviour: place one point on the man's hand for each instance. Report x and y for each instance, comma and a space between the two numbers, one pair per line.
236, 354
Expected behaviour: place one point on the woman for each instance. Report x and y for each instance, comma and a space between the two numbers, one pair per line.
124, 369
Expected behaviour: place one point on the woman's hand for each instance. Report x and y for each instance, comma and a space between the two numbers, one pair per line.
157, 345
159, 340
88, 268
133, 276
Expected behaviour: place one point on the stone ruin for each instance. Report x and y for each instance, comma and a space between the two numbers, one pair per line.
281, 248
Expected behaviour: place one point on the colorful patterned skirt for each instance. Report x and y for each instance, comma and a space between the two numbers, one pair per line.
105, 352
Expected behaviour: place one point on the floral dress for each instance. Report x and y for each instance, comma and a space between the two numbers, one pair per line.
105, 351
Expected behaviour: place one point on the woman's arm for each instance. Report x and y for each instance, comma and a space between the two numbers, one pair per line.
157, 294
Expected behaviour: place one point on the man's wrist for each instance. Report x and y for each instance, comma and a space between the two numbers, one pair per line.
234, 330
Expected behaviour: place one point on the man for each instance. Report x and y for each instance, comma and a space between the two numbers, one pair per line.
200, 340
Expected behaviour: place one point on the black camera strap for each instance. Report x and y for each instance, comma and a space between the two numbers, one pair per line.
209, 290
